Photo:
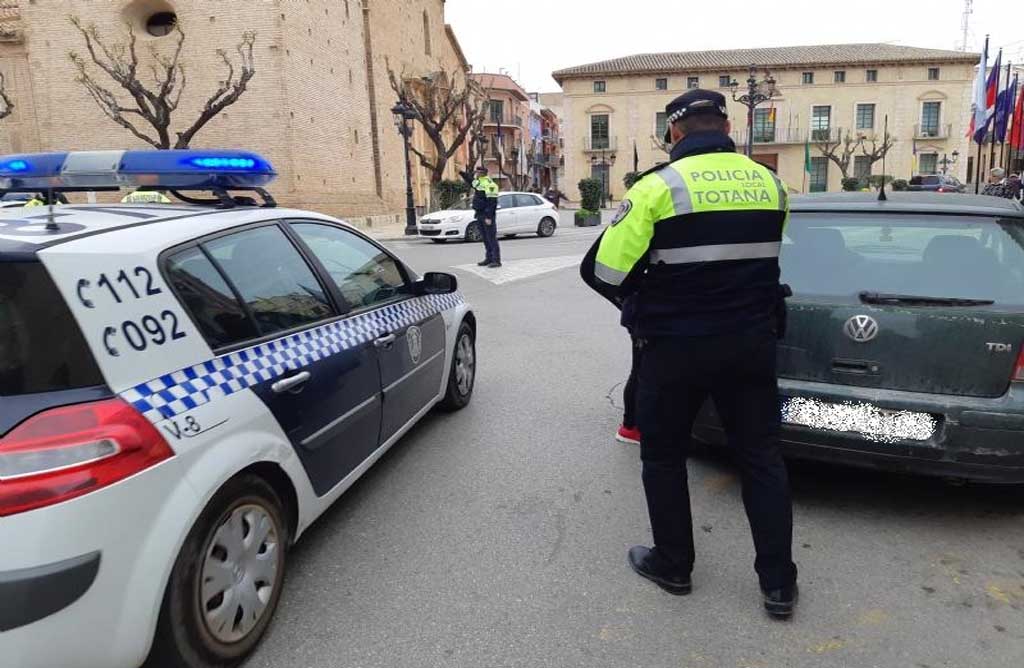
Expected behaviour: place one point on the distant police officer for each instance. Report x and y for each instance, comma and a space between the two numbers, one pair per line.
695, 246
485, 206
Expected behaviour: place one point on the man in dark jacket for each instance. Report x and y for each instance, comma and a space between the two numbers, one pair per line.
485, 206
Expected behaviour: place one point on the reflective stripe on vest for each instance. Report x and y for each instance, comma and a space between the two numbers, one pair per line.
756, 251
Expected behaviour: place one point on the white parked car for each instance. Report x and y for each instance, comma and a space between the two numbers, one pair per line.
518, 213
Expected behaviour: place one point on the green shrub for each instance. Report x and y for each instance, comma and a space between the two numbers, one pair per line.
630, 178
875, 180
450, 191
899, 184
851, 184
591, 191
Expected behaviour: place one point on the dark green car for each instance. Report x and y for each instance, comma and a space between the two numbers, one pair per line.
904, 343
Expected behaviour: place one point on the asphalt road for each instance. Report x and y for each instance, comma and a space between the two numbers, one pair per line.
497, 536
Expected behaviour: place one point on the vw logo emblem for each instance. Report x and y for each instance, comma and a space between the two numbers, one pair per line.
861, 328
415, 339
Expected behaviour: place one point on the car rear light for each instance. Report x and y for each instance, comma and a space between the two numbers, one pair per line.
66, 452
1018, 367
942, 190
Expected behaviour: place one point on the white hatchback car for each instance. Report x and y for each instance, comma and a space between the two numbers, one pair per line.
518, 213
183, 391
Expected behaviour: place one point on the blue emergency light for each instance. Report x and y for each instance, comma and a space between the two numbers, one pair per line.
178, 170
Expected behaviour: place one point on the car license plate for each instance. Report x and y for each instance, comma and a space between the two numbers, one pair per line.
873, 423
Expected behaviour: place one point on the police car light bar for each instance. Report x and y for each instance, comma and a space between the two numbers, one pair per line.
181, 170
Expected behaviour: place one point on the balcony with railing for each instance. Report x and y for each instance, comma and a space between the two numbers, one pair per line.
597, 144
505, 120
933, 131
777, 136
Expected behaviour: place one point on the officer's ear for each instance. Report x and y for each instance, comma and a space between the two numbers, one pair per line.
728, 127
676, 133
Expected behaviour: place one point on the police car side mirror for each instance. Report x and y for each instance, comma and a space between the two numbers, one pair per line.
436, 283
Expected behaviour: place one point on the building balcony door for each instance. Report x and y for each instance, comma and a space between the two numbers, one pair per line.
602, 174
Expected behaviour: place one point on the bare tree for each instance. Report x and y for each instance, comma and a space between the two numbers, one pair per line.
154, 102
442, 106
840, 150
8, 105
476, 136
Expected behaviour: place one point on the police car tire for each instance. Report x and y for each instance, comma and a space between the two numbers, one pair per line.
473, 232
181, 638
454, 399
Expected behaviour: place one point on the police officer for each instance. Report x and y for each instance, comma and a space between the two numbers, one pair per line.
695, 246
485, 206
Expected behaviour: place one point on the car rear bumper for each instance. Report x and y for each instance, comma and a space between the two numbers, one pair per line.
979, 440
30, 594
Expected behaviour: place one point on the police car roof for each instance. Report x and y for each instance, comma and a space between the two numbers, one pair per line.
908, 202
154, 227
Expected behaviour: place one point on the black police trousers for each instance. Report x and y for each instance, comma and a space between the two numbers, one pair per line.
490, 234
677, 375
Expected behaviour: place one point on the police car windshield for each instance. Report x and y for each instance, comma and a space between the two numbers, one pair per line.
913, 254
41, 347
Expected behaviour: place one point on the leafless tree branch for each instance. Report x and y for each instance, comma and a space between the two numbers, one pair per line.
8, 105
154, 104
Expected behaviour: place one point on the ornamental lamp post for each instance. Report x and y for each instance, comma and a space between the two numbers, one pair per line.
946, 163
758, 92
403, 113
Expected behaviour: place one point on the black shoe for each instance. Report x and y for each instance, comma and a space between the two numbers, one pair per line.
780, 603
649, 564
494, 265
483, 263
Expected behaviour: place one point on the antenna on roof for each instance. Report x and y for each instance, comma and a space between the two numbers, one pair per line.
885, 140
51, 220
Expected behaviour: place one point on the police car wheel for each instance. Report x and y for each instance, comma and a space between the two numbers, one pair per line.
226, 581
546, 227
462, 376
473, 232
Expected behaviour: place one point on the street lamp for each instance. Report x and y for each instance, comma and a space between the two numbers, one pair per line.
758, 92
403, 113
604, 172
946, 163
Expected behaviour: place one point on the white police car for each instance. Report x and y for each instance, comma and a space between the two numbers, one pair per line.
183, 390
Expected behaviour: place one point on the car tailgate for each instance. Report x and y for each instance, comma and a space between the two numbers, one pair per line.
963, 351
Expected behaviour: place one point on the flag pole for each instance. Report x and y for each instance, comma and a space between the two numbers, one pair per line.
992, 141
977, 177
1002, 138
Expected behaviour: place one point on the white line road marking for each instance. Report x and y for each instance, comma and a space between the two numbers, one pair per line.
517, 270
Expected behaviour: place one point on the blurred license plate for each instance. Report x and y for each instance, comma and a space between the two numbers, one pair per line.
873, 423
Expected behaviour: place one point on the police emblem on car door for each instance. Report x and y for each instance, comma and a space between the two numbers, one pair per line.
414, 338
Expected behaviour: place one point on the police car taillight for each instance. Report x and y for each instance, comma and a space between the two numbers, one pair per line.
70, 451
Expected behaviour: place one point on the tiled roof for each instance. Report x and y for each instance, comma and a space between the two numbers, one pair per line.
9, 10
10, 21
774, 57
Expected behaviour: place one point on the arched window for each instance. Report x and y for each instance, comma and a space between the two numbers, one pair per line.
426, 33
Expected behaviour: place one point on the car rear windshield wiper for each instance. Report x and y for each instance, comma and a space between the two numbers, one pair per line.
919, 300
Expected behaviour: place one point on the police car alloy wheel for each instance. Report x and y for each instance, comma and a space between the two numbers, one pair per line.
227, 579
473, 232
462, 375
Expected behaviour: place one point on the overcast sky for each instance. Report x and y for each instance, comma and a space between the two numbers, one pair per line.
529, 39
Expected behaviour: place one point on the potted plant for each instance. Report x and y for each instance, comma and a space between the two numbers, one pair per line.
589, 214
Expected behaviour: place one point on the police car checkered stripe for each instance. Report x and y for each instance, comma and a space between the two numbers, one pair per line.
181, 391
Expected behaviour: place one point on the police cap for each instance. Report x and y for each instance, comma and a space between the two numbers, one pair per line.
691, 103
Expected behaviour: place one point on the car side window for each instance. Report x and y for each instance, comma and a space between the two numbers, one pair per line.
213, 306
527, 200
506, 201
364, 274
276, 283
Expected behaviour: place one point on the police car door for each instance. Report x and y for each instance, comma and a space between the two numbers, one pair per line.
410, 338
252, 291
409, 335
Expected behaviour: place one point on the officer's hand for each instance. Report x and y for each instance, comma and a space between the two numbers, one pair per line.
487, 221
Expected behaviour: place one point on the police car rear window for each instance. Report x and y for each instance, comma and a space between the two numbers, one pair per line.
41, 347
